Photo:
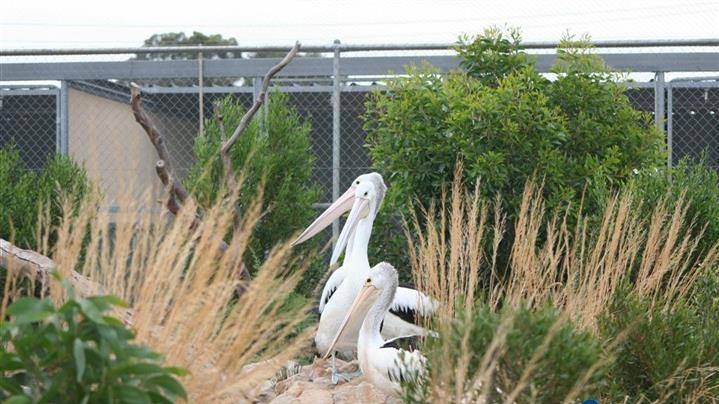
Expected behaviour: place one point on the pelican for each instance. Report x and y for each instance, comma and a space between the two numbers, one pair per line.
383, 363
362, 199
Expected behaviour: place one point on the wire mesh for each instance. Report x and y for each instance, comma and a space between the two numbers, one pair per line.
28, 120
82, 103
695, 121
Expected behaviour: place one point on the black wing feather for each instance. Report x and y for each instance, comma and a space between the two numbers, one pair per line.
408, 344
329, 295
407, 315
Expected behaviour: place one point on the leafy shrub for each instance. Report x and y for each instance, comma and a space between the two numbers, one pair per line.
78, 354
664, 354
697, 182
26, 195
561, 362
282, 158
507, 123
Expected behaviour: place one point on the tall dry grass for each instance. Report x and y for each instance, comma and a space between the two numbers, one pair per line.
182, 289
577, 269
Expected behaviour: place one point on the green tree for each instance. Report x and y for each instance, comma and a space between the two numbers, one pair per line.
578, 133
281, 156
28, 196
181, 39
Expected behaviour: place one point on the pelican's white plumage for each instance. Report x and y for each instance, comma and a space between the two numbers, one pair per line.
381, 362
362, 199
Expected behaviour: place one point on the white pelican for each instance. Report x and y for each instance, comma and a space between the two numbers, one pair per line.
363, 199
382, 362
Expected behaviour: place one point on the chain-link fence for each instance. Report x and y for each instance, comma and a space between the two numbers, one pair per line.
77, 103
693, 119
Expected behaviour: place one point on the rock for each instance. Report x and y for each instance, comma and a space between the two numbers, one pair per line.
364, 392
312, 384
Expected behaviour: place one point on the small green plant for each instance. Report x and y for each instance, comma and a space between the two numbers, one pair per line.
691, 179
664, 354
540, 355
28, 196
77, 353
279, 155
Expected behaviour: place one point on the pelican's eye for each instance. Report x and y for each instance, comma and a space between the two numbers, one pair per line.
357, 182
365, 194
369, 280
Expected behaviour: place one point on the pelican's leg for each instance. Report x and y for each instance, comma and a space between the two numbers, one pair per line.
336, 377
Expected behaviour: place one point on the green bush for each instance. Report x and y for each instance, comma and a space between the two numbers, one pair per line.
26, 194
281, 156
78, 354
665, 355
565, 359
507, 123
700, 186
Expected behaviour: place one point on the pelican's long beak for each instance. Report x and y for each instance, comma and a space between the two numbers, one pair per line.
360, 209
340, 206
356, 313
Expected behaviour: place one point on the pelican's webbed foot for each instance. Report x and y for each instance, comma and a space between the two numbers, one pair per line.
337, 376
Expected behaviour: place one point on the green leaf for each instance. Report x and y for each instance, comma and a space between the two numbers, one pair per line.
159, 398
18, 399
169, 384
177, 371
29, 310
90, 309
78, 351
137, 369
130, 395
9, 385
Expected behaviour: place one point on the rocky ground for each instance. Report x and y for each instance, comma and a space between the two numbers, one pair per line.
311, 384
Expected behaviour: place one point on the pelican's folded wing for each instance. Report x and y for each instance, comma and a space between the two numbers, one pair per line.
410, 305
331, 286
399, 363
409, 343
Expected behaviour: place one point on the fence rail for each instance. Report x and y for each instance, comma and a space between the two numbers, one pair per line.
337, 45
83, 110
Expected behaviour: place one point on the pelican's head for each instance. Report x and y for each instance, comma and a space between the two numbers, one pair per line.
369, 187
382, 276
381, 283
363, 199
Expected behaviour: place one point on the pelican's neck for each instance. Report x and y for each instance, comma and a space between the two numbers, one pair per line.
360, 240
369, 335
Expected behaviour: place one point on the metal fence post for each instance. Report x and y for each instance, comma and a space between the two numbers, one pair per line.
659, 100
201, 91
336, 134
256, 89
670, 123
62, 145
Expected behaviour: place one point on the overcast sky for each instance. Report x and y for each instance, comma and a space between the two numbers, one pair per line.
96, 23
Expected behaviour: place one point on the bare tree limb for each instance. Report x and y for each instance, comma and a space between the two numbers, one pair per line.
227, 171
33, 265
168, 177
178, 193
226, 146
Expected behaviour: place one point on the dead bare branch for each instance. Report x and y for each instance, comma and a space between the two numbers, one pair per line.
227, 171
178, 193
260, 99
35, 266
168, 177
